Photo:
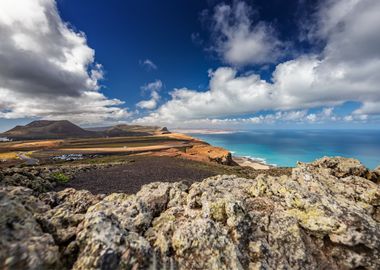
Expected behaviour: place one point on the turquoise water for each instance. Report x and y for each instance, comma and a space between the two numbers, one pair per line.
286, 147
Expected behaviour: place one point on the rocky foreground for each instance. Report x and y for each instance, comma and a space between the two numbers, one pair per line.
326, 215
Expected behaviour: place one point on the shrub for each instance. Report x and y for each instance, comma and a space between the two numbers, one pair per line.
60, 177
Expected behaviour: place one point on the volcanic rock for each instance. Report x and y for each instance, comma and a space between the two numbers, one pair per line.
324, 216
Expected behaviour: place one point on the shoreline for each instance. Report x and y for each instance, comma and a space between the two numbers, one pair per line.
203, 131
249, 162
239, 160
196, 149
242, 161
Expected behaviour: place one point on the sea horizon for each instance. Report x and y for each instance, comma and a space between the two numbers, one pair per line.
286, 147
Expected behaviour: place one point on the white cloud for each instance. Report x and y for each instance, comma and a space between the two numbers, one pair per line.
47, 69
151, 103
88, 108
153, 88
356, 118
292, 118
240, 41
369, 107
148, 64
297, 116
347, 69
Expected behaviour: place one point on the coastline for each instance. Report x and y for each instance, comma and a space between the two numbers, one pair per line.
240, 160
213, 152
203, 131
249, 162
184, 145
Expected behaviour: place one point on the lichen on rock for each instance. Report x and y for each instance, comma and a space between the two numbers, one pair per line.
23, 244
324, 216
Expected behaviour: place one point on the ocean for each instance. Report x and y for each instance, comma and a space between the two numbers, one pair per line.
286, 147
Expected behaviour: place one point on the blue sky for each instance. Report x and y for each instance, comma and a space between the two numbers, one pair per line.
123, 33
191, 64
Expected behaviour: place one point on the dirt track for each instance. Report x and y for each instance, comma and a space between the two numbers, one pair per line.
130, 177
126, 150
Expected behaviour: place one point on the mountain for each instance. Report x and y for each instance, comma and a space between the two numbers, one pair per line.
130, 130
44, 129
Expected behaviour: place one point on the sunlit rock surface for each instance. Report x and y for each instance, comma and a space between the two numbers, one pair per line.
326, 215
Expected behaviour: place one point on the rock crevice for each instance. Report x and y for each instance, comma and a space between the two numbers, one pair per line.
324, 216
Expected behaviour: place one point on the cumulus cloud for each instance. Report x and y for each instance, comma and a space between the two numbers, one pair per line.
47, 70
292, 117
241, 41
296, 116
153, 88
149, 104
347, 69
148, 64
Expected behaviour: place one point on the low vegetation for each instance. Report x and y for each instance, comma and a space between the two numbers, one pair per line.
60, 177
324, 214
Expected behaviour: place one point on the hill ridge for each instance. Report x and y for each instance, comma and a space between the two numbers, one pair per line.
63, 129
47, 129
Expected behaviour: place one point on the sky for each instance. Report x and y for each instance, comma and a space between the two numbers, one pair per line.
191, 64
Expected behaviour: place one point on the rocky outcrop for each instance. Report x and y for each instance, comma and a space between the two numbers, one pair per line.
375, 175
44, 178
35, 179
338, 167
209, 153
164, 130
326, 215
23, 243
198, 150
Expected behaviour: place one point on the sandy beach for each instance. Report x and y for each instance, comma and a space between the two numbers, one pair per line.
247, 162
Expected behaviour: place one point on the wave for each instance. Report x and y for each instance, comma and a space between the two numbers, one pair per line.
260, 160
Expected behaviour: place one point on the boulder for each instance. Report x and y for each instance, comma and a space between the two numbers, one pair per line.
25, 178
337, 166
325, 215
321, 216
23, 244
68, 208
375, 175
42, 179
